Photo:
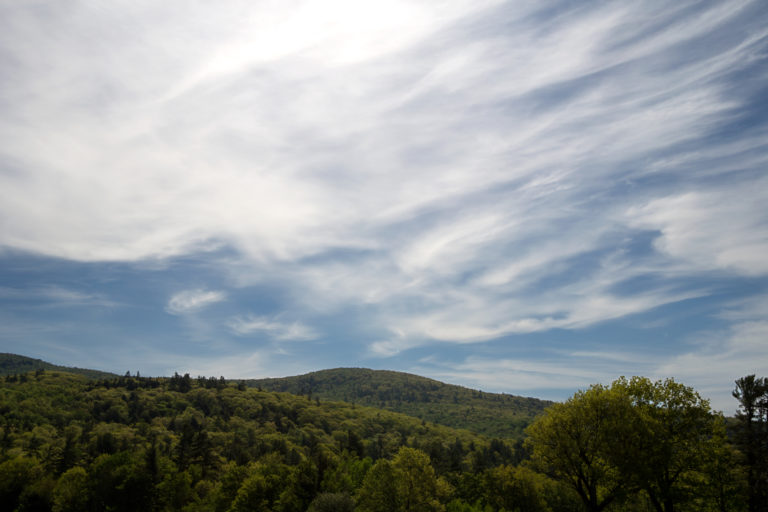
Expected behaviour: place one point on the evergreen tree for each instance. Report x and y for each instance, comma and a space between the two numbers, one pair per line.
752, 437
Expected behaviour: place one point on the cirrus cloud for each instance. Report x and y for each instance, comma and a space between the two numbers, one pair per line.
280, 331
190, 301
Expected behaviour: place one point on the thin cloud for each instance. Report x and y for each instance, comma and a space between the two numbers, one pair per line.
517, 375
717, 359
55, 296
736, 234
445, 173
190, 301
280, 331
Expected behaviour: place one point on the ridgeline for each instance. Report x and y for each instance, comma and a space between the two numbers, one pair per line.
490, 414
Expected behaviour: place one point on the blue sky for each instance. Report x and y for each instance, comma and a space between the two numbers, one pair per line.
526, 197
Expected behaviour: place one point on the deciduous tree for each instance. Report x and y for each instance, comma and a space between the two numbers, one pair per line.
674, 430
579, 442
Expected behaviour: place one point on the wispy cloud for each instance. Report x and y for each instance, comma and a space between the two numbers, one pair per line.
189, 301
735, 237
281, 331
517, 375
54, 296
449, 173
716, 359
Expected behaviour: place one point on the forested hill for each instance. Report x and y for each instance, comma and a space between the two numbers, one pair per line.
13, 364
492, 414
138, 443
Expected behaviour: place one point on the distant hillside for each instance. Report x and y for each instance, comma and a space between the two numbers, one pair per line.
146, 443
492, 414
13, 364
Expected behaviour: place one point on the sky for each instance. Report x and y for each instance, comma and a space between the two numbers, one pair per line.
525, 197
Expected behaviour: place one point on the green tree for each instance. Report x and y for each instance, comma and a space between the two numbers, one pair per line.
119, 482
379, 492
332, 502
16, 475
675, 430
752, 437
71, 491
415, 481
725, 482
253, 495
579, 441
515, 488
407, 484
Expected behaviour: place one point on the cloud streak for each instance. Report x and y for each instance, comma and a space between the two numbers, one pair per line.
190, 301
450, 174
280, 331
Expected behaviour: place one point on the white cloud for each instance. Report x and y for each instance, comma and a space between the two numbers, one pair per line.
55, 296
189, 301
712, 229
520, 376
280, 331
467, 161
713, 364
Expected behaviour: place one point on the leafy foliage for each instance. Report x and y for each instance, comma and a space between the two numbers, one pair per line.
491, 414
132, 443
13, 364
752, 437
205, 444
638, 441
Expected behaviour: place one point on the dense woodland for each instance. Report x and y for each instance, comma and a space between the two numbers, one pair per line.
492, 414
192, 444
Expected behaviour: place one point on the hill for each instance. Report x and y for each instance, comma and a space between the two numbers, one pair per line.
491, 414
14, 364
138, 443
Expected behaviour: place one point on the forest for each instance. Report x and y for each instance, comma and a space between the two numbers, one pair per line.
128, 443
492, 414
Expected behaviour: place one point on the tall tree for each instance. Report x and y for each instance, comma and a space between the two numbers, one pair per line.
415, 481
378, 492
752, 437
675, 431
578, 441
608, 443
406, 484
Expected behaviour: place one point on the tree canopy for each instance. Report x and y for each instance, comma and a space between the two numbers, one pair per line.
206, 444
656, 438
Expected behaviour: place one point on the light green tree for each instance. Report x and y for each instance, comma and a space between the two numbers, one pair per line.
71, 491
673, 433
415, 481
407, 484
578, 442
608, 443
378, 492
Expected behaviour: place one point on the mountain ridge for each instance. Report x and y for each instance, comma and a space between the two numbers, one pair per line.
11, 364
491, 414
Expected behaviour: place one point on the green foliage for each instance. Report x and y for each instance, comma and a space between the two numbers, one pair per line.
577, 442
71, 491
16, 476
752, 437
659, 438
379, 490
133, 443
491, 414
672, 433
13, 364
332, 502
194, 445
407, 484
